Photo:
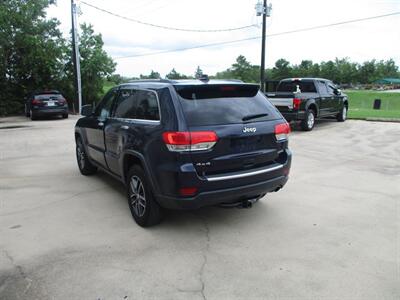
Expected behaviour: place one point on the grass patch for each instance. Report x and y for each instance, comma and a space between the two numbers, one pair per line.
361, 104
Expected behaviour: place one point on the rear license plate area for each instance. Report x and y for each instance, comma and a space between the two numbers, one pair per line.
246, 144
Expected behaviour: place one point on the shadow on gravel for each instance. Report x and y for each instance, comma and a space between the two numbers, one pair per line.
319, 124
181, 219
48, 118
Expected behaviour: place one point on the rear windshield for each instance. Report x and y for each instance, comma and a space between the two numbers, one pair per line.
297, 86
48, 96
217, 105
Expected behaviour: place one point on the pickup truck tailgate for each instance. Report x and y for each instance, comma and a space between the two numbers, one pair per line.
278, 100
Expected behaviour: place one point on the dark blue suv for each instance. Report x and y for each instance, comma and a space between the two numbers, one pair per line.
185, 144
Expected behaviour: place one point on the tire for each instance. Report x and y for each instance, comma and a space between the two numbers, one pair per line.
32, 115
85, 166
144, 208
65, 116
309, 121
342, 115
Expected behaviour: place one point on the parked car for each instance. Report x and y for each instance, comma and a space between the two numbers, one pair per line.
45, 103
305, 99
185, 144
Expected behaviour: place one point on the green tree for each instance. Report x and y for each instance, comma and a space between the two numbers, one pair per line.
281, 70
227, 74
117, 78
152, 75
367, 72
32, 52
242, 69
306, 69
386, 68
96, 65
347, 71
175, 75
329, 70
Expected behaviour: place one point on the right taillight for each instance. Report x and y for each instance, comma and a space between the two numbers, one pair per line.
282, 131
179, 141
296, 103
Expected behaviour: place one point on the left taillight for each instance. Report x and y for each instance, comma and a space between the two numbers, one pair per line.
36, 101
282, 131
180, 141
296, 103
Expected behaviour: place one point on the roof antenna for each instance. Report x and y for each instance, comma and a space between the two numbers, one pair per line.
204, 78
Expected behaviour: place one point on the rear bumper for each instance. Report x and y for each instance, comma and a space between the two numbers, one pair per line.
50, 111
294, 116
224, 196
233, 188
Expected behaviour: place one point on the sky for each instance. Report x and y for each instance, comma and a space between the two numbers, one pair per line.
373, 39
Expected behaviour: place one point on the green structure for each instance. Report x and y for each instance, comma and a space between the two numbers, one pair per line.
388, 81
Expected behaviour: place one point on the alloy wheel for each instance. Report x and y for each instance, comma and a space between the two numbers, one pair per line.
81, 157
137, 196
310, 120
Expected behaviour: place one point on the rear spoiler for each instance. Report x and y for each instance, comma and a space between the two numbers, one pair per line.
210, 91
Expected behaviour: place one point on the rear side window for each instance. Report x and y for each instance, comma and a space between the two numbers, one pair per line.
147, 106
217, 105
297, 86
125, 106
137, 104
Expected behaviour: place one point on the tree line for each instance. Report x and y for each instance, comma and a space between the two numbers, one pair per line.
35, 56
341, 71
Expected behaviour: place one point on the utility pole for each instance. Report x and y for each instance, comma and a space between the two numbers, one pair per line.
76, 59
264, 10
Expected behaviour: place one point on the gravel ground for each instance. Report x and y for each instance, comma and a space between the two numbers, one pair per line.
332, 232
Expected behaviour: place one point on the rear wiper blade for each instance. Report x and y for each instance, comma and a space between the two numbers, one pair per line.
256, 116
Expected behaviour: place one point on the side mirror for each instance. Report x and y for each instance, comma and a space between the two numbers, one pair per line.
337, 92
87, 110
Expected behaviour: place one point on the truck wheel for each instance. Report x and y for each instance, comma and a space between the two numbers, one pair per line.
65, 116
85, 166
309, 121
342, 115
144, 209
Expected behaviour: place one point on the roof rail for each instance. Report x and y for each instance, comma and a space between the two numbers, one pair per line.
161, 80
234, 80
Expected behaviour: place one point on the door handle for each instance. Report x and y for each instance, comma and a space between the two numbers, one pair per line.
101, 124
125, 127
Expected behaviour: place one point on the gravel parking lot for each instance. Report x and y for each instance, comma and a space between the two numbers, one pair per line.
332, 232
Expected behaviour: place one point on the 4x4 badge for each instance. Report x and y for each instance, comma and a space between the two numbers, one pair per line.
249, 129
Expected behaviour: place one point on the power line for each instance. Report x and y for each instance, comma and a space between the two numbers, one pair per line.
189, 48
258, 37
336, 24
166, 27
